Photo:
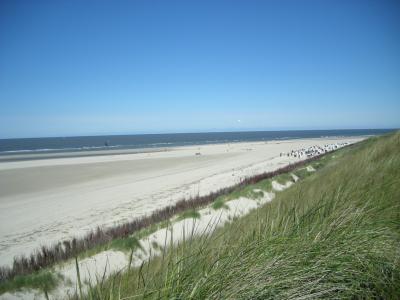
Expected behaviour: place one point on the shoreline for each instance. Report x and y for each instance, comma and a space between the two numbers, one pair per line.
27, 155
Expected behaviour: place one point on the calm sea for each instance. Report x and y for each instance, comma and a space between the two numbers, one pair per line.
92, 143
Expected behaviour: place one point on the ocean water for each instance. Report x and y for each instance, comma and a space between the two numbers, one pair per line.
109, 142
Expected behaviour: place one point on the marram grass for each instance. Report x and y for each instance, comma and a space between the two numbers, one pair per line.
335, 234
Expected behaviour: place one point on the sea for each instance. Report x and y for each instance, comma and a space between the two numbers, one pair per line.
145, 141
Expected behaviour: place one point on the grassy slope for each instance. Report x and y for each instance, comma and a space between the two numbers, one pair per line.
335, 234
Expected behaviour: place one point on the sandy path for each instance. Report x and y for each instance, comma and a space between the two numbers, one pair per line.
45, 201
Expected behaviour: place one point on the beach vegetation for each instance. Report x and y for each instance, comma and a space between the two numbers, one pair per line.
190, 214
126, 244
265, 185
219, 203
251, 191
284, 178
44, 281
301, 173
245, 192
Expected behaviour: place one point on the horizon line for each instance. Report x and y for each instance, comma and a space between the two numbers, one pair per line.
191, 132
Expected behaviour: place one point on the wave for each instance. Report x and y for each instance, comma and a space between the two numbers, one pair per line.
84, 148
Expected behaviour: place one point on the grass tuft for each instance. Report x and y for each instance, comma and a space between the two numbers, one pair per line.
126, 244
190, 214
219, 203
44, 281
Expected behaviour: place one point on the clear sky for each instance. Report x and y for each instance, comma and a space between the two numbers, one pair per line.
120, 67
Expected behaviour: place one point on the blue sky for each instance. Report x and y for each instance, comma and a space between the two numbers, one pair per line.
118, 67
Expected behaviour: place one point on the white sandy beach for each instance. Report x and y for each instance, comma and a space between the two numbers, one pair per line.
45, 201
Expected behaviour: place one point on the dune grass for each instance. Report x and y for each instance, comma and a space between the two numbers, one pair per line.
302, 173
335, 234
219, 203
251, 191
283, 178
189, 214
43, 281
